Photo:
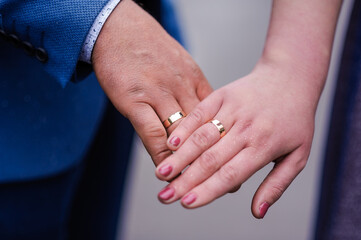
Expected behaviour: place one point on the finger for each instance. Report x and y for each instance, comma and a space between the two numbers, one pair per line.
188, 101
204, 88
150, 130
203, 112
232, 174
166, 106
194, 150
173, 120
276, 183
235, 189
201, 140
206, 165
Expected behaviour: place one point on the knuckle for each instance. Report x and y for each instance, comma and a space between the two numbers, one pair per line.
235, 189
156, 132
242, 127
144, 55
136, 89
200, 139
277, 190
266, 130
179, 78
300, 164
229, 174
266, 125
159, 154
164, 91
197, 116
262, 132
208, 162
196, 70
131, 111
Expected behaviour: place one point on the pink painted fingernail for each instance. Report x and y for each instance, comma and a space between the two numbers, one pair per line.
174, 141
166, 194
189, 198
165, 170
263, 209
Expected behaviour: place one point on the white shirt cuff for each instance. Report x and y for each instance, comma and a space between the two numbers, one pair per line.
86, 52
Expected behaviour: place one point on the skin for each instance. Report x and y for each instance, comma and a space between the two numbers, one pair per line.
268, 115
146, 74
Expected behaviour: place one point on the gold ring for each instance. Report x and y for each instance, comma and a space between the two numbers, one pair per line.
173, 118
219, 126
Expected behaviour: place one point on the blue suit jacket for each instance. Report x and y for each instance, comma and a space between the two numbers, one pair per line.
47, 122
45, 127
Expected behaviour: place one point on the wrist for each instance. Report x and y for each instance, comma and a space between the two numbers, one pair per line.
307, 63
116, 29
91, 38
124, 32
292, 77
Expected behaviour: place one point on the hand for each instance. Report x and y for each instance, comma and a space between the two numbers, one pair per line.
146, 74
268, 116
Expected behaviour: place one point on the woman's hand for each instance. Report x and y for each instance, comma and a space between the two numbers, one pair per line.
268, 116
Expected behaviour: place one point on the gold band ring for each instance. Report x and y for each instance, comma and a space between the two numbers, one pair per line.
219, 126
173, 118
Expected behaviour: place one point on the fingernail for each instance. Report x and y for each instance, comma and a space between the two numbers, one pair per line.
165, 170
166, 194
174, 141
189, 199
263, 209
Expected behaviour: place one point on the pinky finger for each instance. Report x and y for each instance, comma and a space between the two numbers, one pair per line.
277, 181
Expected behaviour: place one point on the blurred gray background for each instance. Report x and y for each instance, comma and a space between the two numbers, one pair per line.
226, 39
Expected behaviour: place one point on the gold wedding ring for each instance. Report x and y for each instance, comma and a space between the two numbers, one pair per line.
219, 126
173, 118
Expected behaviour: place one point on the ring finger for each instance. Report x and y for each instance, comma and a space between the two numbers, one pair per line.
169, 111
188, 100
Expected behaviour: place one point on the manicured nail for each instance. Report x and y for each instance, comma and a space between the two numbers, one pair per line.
165, 170
174, 141
189, 199
263, 209
166, 194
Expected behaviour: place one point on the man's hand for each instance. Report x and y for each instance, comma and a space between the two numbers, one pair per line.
146, 74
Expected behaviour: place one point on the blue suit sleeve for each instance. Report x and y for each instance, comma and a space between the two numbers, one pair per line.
58, 26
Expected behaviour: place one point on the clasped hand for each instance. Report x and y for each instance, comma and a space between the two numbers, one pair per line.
266, 119
148, 76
